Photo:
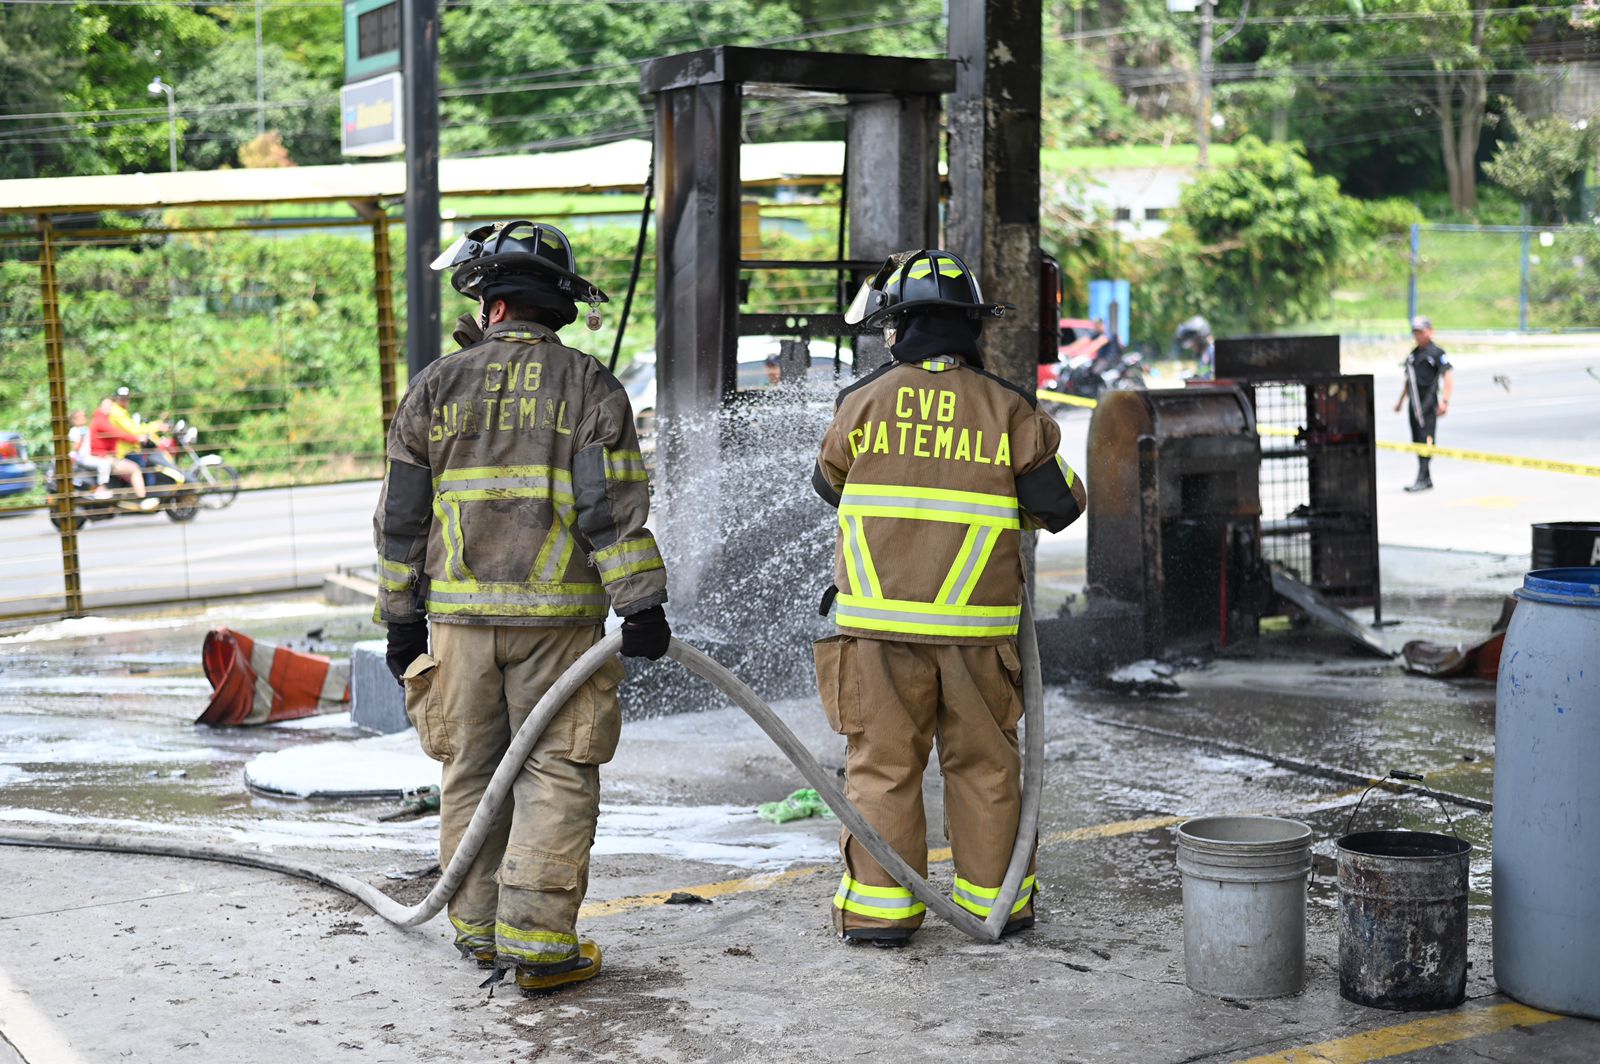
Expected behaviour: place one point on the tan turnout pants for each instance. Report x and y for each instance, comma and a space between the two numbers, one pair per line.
892, 700
467, 699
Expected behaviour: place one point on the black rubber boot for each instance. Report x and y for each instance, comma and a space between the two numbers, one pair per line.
881, 937
1021, 923
1424, 481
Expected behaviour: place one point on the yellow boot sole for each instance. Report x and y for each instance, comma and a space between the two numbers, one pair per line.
531, 984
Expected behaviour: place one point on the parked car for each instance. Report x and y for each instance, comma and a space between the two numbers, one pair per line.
17, 473
753, 373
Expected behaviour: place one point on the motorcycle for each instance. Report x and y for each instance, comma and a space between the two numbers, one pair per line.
1087, 376
220, 480
179, 497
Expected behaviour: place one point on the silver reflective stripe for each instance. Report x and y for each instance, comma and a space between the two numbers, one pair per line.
987, 904
449, 487
852, 529
948, 506
502, 598
560, 550
979, 542
956, 620
876, 902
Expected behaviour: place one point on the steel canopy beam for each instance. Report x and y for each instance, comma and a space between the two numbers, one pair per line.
817, 71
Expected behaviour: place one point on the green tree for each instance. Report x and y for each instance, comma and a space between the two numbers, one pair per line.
1541, 166
38, 67
1267, 237
1381, 71
122, 48
299, 106
518, 82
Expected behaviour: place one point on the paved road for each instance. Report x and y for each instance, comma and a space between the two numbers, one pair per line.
289, 538
1551, 410
267, 540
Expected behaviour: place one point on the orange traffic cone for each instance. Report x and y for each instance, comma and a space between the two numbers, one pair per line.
258, 683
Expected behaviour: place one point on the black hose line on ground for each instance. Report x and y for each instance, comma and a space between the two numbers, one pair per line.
698, 662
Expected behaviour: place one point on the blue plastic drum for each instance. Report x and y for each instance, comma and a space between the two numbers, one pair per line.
1547, 795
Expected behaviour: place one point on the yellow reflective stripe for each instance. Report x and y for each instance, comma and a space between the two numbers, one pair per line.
473, 934
449, 514
855, 886
393, 576
863, 575
626, 466
534, 491
627, 558
882, 903
481, 472
947, 590
556, 553
985, 549
929, 504
926, 618
1066, 470
977, 498
971, 897
472, 598
534, 947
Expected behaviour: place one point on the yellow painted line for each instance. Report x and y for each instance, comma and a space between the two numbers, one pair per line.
596, 909
1410, 1037
1423, 450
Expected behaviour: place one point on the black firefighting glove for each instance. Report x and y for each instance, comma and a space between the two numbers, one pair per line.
646, 634
408, 641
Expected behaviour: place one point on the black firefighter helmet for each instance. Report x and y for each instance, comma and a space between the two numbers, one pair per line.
530, 262
912, 281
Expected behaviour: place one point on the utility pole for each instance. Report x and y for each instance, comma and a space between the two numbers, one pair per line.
420, 50
261, 79
156, 88
1202, 119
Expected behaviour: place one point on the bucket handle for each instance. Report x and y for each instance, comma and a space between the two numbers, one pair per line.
1407, 777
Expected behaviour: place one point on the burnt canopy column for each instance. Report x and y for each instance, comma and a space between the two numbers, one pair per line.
697, 309
993, 219
893, 162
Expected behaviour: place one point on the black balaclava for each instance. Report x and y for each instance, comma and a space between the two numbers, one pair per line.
928, 335
528, 290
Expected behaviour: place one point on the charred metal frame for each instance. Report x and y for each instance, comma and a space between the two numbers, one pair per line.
892, 171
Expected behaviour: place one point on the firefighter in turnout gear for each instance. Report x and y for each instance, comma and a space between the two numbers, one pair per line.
513, 514
936, 467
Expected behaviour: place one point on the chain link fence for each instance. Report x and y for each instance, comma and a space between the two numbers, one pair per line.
1513, 278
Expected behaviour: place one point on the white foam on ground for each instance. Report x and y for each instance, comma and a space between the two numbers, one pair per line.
717, 834
11, 774
320, 722
382, 763
184, 686
82, 627
26, 748
332, 833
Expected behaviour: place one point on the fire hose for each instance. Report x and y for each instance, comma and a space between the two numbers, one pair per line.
704, 666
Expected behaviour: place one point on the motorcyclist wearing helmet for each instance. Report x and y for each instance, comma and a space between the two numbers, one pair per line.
1194, 336
513, 514
936, 467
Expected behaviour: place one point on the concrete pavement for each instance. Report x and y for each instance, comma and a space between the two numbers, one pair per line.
143, 958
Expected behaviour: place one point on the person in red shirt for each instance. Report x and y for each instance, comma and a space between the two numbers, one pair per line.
108, 435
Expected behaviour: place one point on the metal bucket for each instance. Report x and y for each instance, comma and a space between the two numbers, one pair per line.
1244, 905
1560, 544
1403, 918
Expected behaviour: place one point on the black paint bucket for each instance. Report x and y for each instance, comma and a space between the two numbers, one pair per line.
1403, 919
1566, 544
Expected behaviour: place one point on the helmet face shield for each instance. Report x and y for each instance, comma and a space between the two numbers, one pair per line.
866, 303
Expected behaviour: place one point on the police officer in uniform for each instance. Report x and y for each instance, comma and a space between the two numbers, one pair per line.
936, 467
1429, 381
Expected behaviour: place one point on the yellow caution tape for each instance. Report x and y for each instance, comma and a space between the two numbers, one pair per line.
1070, 400
1421, 449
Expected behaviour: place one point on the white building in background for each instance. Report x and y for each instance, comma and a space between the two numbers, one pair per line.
1139, 200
